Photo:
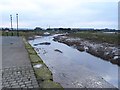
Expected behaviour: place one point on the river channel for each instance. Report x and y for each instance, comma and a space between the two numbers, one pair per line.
74, 69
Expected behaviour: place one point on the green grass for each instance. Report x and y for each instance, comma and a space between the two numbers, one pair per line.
43, 74
35, 59
28, 46
49, 84
22, 33
31, 51
28, 33
97, 36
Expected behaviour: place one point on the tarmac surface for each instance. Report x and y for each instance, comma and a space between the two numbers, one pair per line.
17, 71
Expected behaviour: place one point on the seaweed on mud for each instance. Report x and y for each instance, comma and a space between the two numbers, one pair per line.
80, 48
57, 50
44, 43
103, 52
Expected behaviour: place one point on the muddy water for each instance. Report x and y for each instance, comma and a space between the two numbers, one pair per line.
72, 68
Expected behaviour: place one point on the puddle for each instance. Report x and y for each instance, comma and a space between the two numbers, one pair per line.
75, 69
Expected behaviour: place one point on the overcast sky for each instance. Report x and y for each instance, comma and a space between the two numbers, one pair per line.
60, 13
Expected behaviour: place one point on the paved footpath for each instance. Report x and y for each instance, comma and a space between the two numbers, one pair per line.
17, 71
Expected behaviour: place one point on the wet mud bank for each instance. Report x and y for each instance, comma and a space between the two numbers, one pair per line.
105, 51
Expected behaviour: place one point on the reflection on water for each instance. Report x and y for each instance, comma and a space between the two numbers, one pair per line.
66, 66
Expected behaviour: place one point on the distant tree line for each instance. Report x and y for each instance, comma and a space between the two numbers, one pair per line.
63, 29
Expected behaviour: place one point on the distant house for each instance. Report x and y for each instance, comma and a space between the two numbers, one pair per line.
46, 34
6, 29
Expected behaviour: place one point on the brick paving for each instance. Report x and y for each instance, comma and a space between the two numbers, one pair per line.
17, 71
19, 77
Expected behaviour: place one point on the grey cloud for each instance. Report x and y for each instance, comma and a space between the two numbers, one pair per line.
70, 16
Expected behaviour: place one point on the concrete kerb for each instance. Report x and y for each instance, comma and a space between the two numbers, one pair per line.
42, 72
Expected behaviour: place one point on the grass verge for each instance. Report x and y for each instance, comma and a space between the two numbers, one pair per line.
42, 72
101, 37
